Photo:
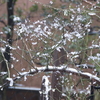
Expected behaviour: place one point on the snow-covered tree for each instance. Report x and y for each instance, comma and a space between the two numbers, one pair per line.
64, 43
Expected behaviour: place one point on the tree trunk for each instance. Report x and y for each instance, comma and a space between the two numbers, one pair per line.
10, 25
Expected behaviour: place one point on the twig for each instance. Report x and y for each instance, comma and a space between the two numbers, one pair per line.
92, 4
6, 64
3, 22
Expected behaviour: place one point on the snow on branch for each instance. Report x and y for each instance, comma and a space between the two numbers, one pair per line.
10, 80
53, 68
86, 66
68, 70
92, 3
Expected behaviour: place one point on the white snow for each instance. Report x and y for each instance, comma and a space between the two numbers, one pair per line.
3, 73
16, 19
11, 81
24, 73
91, 76
47, 86
51, 2
2, 49
92, 13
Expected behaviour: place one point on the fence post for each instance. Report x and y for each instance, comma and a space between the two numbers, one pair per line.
59, 57
42, 90
45, 88
56, 87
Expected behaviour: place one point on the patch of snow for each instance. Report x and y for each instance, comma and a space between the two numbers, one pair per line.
92, 13
24, 73
2, 49
11, 81
3, 73
58, 49
72, 70
16, 19
91, 76
47, 86
51, 2
25, 78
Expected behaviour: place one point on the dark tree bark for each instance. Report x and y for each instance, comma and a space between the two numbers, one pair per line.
10, 25
92, 93
10, 10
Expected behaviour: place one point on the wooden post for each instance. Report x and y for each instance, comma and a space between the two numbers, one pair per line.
56, 86
45, 89
59, 57
42, 97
